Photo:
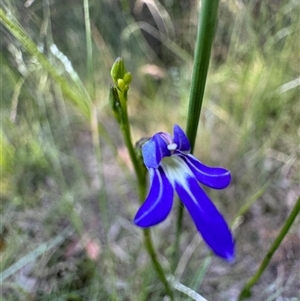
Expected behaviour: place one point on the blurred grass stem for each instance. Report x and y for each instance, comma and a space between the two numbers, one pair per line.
97, 149
205, 34
81, 100
89, 48
246, 291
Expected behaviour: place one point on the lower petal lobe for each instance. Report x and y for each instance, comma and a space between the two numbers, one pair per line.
159, 201
209, 222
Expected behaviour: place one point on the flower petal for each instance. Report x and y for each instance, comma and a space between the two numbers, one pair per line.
154, 150
159, 201
214, 177
181, 139
207, 218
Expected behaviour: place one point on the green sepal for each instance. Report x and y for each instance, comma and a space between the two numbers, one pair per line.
121, 85
114, 103
118, 69
127, 78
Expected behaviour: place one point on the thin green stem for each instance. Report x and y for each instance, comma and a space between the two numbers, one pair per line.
159, 270
205, 34
246, 291
125, 128
141, 178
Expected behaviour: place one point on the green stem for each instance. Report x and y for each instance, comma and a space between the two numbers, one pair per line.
125, 128
159, 270
205, 34
141, 178
206, 30
246, 291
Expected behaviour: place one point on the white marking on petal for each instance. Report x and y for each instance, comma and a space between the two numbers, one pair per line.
178, 171
196, 168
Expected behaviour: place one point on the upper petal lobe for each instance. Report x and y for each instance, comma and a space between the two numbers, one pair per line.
154, 150
181, 139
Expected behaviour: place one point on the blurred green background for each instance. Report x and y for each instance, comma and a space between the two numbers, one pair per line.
68, 193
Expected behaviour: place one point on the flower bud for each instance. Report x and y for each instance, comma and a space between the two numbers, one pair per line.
127, 78
121, 84
118, 69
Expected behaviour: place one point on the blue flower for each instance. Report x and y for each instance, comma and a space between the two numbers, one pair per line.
172, 167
